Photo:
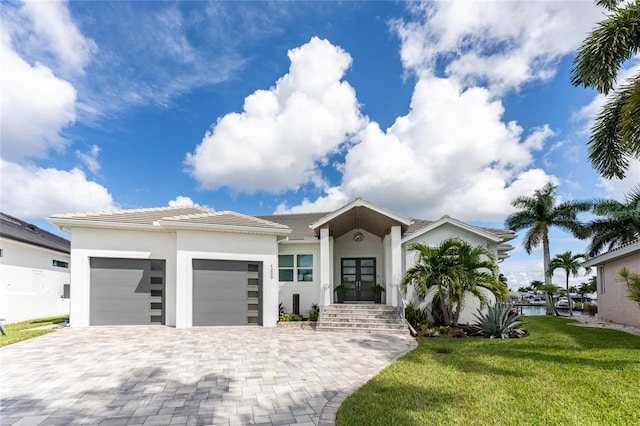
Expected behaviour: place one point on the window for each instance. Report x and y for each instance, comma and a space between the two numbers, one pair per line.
60, 263
66, 291
297, 267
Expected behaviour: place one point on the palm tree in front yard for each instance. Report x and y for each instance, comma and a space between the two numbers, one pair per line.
454, 268
434, 267
571, 264
540, 212
478, 270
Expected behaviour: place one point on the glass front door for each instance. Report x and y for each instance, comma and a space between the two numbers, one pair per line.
359, 275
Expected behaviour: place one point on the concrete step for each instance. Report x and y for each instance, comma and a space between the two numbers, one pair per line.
364, 318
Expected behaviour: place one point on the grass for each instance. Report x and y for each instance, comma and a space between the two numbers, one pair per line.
19, 331
559, 375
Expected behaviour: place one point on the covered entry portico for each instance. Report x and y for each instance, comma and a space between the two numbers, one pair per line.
360, 246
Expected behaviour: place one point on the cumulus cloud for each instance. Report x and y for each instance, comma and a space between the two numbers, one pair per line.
32, 192
451, 154
36, 107
181, 201
498, 44
284, 133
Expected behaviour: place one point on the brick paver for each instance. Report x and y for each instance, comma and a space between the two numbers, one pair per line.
199, 376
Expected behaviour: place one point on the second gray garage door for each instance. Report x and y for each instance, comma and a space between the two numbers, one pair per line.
226, 292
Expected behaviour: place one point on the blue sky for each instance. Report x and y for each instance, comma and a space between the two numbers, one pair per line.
260, 107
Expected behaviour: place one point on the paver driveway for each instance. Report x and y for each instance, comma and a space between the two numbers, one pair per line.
162, 375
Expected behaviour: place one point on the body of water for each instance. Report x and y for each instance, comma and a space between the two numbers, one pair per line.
540, 310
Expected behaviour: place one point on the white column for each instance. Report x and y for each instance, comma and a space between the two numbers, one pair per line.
184, 294
326, 288
396, 263
80, 276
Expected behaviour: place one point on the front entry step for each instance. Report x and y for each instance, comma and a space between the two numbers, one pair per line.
365, 318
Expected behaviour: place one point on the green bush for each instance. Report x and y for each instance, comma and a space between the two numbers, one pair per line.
499, 321
590, 308
445, 329
416, 316
285, 317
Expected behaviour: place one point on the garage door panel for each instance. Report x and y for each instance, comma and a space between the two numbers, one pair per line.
120, 292
220, 292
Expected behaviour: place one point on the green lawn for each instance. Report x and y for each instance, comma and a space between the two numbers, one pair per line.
559, 375
19, 331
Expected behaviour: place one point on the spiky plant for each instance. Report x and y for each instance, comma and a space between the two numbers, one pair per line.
499, 322
632, 279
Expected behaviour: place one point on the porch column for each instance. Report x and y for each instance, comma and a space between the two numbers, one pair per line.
396, 263
326, 287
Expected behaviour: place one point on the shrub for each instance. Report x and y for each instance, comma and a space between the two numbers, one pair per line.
445, 329
430, 332
416, 316
296, 317
314, 312
590, 308
499, 321
284, 317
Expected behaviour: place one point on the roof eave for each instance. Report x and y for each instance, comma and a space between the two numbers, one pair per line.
359, 202
80, 223
255, 230
611, 255
473, 229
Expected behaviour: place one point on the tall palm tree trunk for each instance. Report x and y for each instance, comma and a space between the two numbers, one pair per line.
569, 297
550, 309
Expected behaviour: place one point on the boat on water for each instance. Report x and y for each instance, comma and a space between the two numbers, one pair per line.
537, 301
562, 303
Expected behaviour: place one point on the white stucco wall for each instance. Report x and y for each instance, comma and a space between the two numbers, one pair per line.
125, 244
613, 303
226, 246
30, 286
309, 291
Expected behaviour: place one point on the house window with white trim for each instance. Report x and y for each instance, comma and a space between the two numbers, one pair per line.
295, 268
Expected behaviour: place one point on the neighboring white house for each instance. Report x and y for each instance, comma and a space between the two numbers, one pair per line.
34, 271
189, 266
613, 302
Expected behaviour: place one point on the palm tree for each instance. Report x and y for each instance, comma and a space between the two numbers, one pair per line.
632, 279
477, 270
618, 222
434, 267
615, 135
454, 267
571, 264
538, 214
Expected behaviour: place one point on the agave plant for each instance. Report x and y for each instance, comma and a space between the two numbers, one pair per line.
499, 321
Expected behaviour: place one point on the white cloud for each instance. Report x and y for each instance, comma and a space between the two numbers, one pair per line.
36, 107
32, 192
90, 159
284, 133
451, 154
181, 201
498, 44
54, 31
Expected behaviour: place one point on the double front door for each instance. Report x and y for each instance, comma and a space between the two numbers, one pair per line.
359, 275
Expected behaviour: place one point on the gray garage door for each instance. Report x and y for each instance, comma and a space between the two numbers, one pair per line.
127, 291
226, 292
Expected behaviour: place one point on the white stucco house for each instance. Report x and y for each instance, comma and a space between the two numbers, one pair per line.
34, 271
612, 294
191, 266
